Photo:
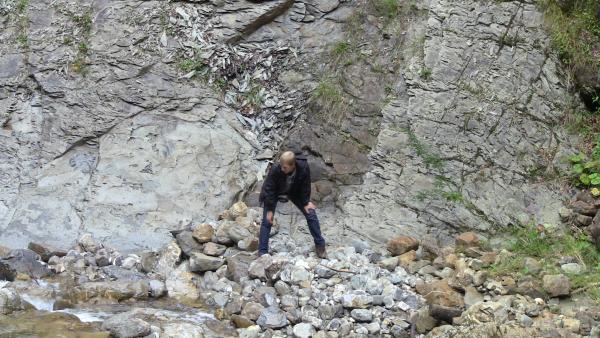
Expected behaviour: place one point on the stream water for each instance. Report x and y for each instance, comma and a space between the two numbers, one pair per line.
83, 320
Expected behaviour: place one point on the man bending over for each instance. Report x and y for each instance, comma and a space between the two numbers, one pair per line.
290, 179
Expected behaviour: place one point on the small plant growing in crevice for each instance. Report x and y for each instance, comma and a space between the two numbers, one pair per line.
425, 73
254, 97
22, 23
386, 8
431, 159
189, 65
80, 38
340, 48
327, 92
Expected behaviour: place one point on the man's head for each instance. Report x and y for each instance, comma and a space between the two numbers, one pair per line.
287, 162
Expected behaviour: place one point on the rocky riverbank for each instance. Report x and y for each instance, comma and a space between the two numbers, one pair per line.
208, 283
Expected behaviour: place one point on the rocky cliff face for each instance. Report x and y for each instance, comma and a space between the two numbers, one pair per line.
474, 136
128, 119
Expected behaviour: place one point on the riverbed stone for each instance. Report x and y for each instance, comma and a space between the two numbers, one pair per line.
125, 326
200, 262
272, 317
303, 330
203, 232
10, 301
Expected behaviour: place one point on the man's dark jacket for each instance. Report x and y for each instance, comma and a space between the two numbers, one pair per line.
274, 185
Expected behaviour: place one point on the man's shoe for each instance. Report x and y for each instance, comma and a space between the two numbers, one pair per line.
321, 252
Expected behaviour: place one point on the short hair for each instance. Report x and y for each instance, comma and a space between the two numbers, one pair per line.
287, 157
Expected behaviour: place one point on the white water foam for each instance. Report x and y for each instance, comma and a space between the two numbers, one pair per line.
87, 316
39, 303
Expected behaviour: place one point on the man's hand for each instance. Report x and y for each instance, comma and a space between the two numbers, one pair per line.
309, 206
270, 217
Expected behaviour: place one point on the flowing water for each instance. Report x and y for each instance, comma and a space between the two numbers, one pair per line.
40, 319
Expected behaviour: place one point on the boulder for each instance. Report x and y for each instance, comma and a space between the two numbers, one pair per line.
188, 243
214, 249
556, 285
222, 233
584, 208
595, 233
231, 232
389, 263
362, 315
241, 321
27, 262
88, 243
440, 293
45, 251
237, 266
167, 259
406, 258
122, 274
148, 261
423, 321
303, 330
102, 257
401, 244
248, 244
572, 268
3, 251
273, 318
238, 209
203, 232
7, 272
532, 265
181, 330
444, 313
157, 288
200, 262
258, 267
249, 332
113, 290
181, 284
357, 300
252, 310
583, 220
467, 240
124, 325
10, 301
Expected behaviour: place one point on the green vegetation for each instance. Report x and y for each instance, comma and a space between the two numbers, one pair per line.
340, 48
255, 96
22, 39
547, 248
22, 6
83, 24
425, 73
417, 46
453, 196
586, 171
22, 23
575, 32
431, 159
189, 65
83, 21
508, 40
386, 8
327, 93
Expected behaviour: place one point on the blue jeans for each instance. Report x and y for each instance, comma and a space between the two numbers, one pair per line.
311, 219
